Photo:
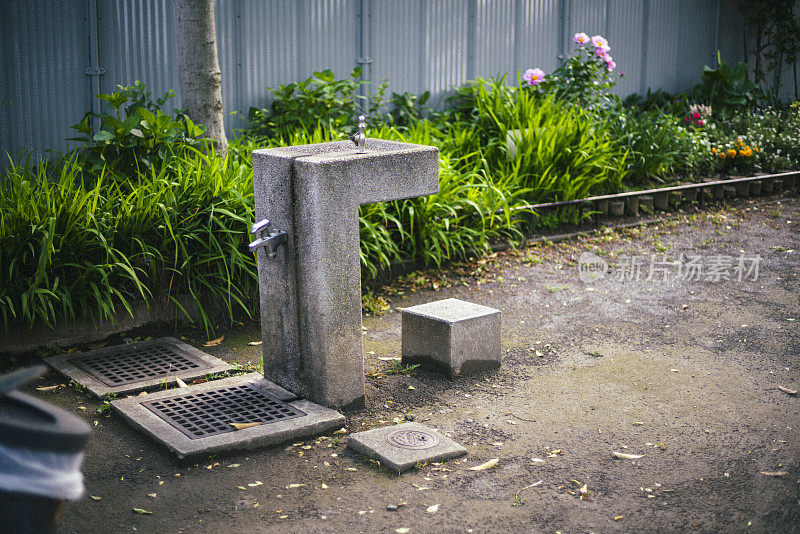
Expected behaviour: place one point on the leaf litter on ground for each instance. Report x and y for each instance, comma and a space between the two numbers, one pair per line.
486, 465
214, 342
626, 456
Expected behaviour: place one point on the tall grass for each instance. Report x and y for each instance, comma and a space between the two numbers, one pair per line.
461, 218
560, 151
58, 254
79, 247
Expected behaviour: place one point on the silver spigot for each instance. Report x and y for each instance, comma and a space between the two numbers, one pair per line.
271, 241
360, 139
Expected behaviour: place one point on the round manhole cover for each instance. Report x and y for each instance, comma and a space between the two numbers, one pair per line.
412, 439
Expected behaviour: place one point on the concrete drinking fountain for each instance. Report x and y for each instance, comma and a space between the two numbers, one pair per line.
307, 242
307, 238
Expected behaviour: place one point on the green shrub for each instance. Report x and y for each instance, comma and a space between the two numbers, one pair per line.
727, 88
136, 135
407, 108
658, 146
584, 77
320, 102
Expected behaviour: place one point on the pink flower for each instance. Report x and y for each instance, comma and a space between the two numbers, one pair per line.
610, 64
581, 38
701, 122
600, 43
696, 115
534, 76
601, 53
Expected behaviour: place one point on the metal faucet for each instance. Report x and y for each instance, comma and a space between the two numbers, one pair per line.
271, 241
359, 139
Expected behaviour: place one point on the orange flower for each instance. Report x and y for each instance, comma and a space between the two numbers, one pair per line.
732, 152
714, 150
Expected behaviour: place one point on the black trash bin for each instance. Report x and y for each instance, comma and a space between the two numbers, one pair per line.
41, 451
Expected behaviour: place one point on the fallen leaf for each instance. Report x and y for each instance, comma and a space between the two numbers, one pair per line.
48, 388
241, 488
486, 465
537, 460
151, 495
411, 387
181, 383
214, 342
584, 491
290, 486
402, 530
637, 423
255, 484
433, 509
626, 456
232, 465
95, 497
617, 518
341, 431
774, 473
242, 426
142, 511
324, 486
785, 390
254, 343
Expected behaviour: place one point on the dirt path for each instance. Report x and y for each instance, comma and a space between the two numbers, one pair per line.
684, 373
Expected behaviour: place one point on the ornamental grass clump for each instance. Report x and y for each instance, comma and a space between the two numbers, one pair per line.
86, 248
542, 148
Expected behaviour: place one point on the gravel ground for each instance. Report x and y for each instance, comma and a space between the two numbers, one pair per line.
683, 373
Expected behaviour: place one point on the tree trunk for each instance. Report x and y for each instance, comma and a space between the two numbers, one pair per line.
198, 66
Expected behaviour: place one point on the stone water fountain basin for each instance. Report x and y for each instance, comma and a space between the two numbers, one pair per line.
310, 290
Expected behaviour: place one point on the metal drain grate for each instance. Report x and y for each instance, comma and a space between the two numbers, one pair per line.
138, 363
199, 415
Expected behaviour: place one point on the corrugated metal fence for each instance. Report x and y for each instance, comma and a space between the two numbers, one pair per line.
47, 66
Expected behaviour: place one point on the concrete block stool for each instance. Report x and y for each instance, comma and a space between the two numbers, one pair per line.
458, 336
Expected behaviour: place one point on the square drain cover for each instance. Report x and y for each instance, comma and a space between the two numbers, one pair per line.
212, 412
197, 420
136, 366
402, 446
